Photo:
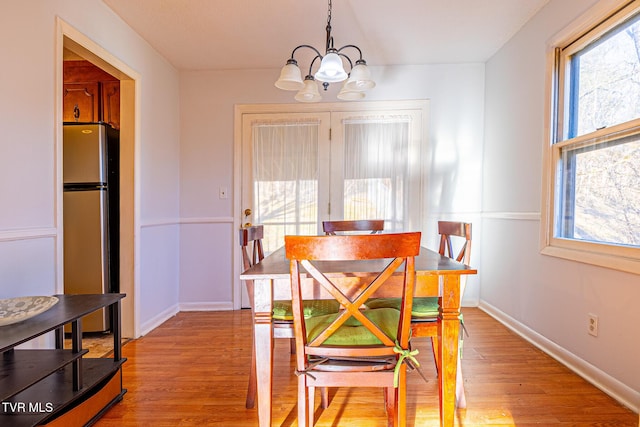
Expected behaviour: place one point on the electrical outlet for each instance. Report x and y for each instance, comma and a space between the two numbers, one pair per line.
593, 325
222, 192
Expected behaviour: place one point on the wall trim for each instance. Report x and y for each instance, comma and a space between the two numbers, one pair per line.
208, 220
48, 232
28, 233
159, 223
163, 222
600, 379
206, 306
158, 320
513, 216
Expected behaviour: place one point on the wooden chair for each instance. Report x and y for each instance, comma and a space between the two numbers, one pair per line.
355, 347
332, 228
425, 311
425, 324
252, 253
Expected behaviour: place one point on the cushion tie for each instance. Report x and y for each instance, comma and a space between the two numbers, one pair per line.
404, 354
310, 368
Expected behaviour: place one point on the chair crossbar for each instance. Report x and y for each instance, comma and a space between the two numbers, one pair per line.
352, 308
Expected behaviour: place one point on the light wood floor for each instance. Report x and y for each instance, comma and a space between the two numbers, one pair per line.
192, 371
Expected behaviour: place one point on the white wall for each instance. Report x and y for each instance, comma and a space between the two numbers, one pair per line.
29, 185
546, 299
208, 238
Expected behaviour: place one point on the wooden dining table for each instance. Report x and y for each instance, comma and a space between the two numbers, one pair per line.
436, 275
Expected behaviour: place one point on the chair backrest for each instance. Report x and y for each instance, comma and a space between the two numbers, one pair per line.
462, 231
447, 229
316, 255
251, 236
372, 225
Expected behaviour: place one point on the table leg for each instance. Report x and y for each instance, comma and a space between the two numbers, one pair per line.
448, 336
263, 342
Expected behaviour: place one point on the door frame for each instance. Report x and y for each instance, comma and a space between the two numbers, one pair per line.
70, 38
242, 109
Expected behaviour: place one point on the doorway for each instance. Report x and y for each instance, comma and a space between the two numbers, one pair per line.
305, 168
70, 42
300, 165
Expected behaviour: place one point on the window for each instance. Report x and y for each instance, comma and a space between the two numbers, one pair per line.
594, 155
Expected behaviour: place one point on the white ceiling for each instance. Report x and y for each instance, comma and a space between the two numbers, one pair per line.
250, 34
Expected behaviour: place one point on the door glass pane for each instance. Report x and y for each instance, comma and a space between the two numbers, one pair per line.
376, 170
285, 171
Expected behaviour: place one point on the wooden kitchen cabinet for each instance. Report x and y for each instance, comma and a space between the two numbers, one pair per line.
81, 102
90, 94
111, 103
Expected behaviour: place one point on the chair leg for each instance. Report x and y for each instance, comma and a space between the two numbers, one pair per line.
401, 398
312, 404
389, 403
436, 353
324, 397
253, 382
304, 413
252, 387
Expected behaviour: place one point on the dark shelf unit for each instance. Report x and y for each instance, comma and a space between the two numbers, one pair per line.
38, 386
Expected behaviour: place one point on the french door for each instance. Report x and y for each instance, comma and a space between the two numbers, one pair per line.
286, 171
299, 169
376, 168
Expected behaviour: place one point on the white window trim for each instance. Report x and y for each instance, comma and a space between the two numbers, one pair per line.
615, 257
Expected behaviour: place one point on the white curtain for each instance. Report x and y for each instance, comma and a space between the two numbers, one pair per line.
374, 174
285, 175
376, 169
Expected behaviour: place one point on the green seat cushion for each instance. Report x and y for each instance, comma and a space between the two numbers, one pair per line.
422, 307
352, 332
317, 307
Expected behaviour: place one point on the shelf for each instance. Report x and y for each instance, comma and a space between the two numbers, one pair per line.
20, 369
58, 389
68, 309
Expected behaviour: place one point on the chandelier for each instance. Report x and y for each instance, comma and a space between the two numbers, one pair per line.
331, 70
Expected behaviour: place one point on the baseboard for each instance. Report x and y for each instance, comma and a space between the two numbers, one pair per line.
159, 319
206, 306
600, 379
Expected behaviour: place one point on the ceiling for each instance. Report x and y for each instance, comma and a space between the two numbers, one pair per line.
255, 34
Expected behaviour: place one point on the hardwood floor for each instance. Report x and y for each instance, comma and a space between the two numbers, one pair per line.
96, 343
192, 371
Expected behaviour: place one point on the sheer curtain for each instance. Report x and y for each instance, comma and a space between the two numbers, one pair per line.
285, 179
376, 169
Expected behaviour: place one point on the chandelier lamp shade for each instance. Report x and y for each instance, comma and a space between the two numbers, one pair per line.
331, 70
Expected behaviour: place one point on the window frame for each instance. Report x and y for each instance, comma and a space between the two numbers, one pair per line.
574, 38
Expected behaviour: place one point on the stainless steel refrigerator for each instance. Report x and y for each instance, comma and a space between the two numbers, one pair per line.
91, 214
